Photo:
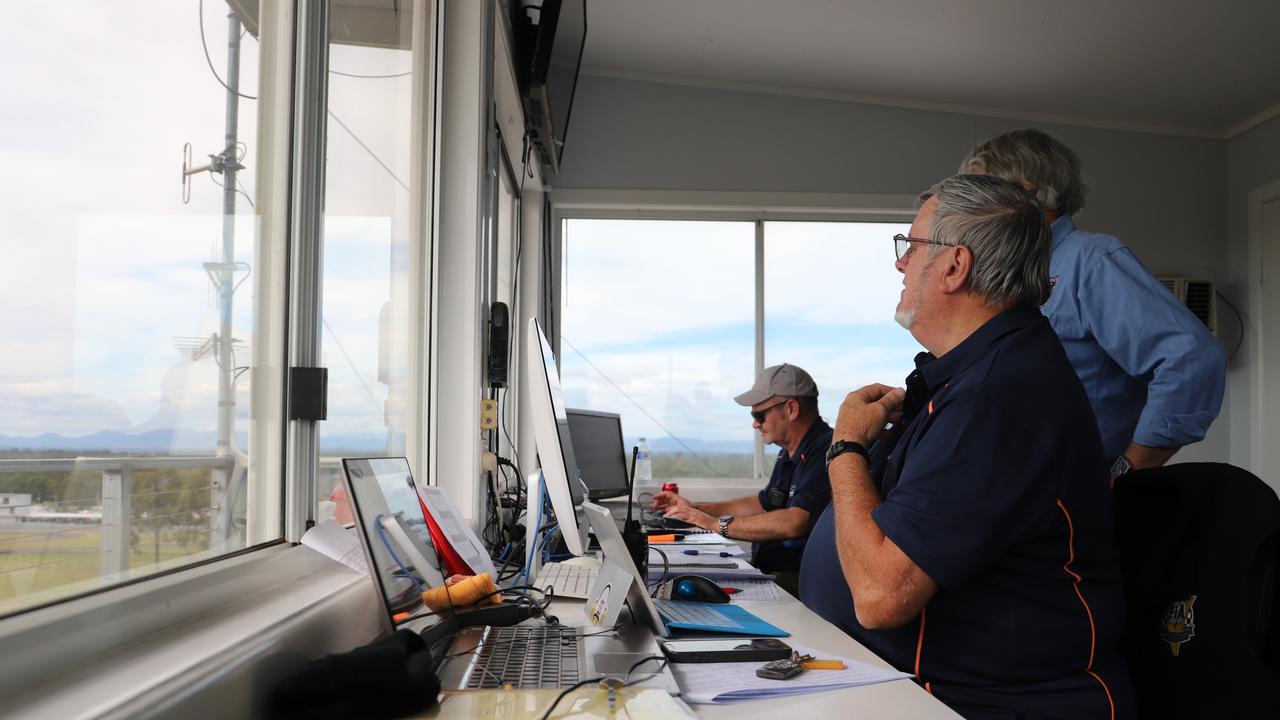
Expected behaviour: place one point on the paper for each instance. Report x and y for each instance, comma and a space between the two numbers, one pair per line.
753, 590
457, 531
334, 541
705, 683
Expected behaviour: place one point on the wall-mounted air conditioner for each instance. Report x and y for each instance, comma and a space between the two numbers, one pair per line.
1199, 297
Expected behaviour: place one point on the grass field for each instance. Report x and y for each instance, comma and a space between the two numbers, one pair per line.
36, 562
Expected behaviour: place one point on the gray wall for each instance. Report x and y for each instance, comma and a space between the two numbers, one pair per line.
1166, 197
1253, 161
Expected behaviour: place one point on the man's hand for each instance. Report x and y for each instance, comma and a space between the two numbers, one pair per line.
668, 500
865, 411
694, 516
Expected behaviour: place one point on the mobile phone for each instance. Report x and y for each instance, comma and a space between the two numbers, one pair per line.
729, 650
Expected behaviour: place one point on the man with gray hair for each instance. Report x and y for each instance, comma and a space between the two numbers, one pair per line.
978, 555
1154, 374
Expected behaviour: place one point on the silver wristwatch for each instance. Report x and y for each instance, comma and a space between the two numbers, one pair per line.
724, 524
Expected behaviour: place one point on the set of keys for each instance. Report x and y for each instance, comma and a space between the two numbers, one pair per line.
793, 666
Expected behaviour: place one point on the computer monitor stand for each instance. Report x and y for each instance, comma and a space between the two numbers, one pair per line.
535, 517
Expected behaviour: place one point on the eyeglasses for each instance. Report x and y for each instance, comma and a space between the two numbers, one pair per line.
902, 244
761, 414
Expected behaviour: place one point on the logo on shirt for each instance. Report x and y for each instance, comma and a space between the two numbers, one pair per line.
1179, 623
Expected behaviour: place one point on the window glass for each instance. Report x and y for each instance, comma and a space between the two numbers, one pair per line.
658, 326
124, 382
830, 294
369, 325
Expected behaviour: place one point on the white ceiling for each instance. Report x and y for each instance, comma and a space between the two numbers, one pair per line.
1199, 67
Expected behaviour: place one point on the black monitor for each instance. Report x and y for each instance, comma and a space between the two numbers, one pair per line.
549, 39
601, 453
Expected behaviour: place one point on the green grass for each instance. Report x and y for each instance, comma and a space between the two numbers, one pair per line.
36, 563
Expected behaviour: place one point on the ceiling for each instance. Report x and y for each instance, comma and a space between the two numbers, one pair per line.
1191, 67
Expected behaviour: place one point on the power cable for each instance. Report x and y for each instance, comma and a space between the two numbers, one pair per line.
204, 44
366, 149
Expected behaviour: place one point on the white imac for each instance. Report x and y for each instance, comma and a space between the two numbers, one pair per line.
559, 471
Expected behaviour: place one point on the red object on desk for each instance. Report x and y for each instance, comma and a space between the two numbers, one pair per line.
731, 590
671, 488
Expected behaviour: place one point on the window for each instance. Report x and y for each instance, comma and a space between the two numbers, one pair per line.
830, 292
659, 326
129, 311
373, 203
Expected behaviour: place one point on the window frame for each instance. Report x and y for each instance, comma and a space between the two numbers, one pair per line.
45, 641
755, 207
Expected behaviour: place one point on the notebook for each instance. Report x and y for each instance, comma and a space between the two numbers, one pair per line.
403, 562
667, 615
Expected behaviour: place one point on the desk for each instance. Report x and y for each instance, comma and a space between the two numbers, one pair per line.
896, 699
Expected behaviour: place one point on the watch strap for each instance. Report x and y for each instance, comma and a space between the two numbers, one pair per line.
841, 447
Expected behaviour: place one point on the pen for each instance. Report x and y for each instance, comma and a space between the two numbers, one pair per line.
706, 552
731, 591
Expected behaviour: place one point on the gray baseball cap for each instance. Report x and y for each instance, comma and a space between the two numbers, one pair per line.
785, 380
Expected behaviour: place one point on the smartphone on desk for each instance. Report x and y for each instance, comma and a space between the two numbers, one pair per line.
725, 650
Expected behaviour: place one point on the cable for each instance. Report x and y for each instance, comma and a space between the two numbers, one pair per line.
566, 691
205, 45
639, 407
626, 679
371, 77
366, 149
350, 362
666, 566
1239, 321
382, 535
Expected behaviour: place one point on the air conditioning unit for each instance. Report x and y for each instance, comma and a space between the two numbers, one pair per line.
1199, 297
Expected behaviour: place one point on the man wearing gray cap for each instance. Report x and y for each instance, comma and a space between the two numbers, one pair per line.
777, 520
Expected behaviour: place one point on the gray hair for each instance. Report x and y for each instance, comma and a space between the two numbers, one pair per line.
1005, 229
1050, 168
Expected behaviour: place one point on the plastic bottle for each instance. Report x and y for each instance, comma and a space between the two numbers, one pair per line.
644, 464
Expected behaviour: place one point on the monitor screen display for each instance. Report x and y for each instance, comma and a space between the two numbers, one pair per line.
601, 454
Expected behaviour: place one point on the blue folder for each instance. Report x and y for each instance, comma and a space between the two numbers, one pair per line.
716, 617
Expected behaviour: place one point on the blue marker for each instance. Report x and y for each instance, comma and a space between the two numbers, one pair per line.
706, 552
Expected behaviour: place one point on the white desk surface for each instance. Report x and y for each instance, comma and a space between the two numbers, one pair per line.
895, 699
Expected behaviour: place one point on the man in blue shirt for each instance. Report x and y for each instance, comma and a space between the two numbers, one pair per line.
777, 520
981, 560
1153, 372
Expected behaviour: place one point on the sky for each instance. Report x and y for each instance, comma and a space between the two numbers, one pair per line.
103, 286
658, 318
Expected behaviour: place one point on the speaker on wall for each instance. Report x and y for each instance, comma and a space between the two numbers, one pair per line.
499, 342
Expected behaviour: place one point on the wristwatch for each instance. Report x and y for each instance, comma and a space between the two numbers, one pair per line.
1120, 467
724, 524
841, 447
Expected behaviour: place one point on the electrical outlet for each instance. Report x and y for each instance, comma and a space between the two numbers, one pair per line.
488, 414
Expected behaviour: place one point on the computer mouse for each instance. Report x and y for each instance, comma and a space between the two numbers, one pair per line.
697, 588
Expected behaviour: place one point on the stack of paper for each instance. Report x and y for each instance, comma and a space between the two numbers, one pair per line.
705, 683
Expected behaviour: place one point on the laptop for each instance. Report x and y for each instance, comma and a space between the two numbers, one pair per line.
663, 616
403, 562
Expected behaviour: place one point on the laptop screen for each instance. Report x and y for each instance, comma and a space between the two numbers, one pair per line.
388, 515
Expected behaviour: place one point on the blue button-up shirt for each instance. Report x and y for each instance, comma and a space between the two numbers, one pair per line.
1153, 372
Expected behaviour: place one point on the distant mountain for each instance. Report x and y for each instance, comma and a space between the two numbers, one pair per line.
697, 445
176, 442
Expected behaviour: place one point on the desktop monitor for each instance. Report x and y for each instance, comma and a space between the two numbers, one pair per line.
552, 436
601, 454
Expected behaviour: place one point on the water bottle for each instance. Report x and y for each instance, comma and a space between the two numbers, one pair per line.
644, 464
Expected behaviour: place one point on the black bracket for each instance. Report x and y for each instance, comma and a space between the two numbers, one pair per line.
308, 393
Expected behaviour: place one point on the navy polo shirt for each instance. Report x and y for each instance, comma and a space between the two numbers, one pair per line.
997, 489
797, 481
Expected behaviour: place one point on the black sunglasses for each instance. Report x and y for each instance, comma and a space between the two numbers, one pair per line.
761, 414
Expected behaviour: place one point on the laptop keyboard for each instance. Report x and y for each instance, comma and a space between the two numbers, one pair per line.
693, 613
572, 581
527, 657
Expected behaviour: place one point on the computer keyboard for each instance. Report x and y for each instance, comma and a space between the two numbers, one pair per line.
655, 519
526, 656
693, 613
571, 581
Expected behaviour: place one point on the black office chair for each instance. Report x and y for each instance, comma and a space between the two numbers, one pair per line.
1200, 549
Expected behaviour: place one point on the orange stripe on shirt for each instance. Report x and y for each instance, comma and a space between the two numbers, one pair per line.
1075, 584
919, 646
930, 407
